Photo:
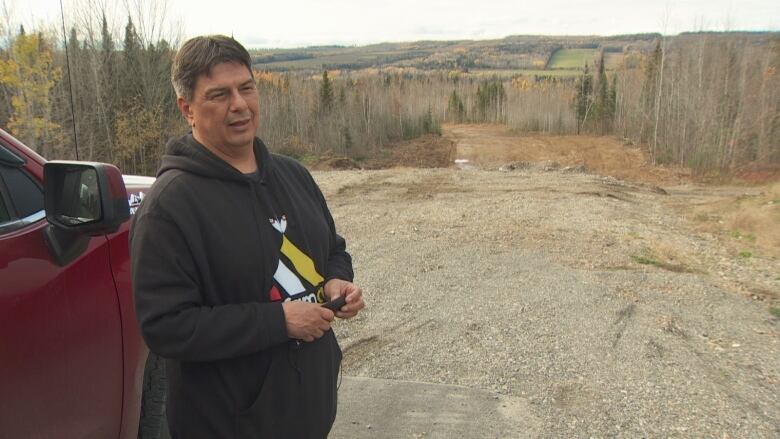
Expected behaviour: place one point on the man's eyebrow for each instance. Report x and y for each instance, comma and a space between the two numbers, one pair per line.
213, 90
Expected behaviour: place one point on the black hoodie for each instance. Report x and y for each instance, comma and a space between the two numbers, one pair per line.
214, 252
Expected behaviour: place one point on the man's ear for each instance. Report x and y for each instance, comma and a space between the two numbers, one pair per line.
186, 110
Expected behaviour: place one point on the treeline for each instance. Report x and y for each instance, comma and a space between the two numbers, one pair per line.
349, 115
110, 95
708, 101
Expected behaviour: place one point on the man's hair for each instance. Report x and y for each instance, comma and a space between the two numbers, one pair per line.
199, 55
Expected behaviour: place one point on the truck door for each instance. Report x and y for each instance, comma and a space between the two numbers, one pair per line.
60, 329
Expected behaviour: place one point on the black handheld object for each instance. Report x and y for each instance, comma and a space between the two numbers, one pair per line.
335, 305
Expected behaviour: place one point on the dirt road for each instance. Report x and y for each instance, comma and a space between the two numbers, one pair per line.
601, 307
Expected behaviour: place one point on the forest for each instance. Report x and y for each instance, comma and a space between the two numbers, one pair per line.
708, 101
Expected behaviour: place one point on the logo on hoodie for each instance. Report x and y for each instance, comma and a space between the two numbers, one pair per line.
295, 270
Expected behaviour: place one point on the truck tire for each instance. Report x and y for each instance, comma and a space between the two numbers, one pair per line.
153, 423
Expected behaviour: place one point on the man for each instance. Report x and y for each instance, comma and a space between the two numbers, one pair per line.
233, 252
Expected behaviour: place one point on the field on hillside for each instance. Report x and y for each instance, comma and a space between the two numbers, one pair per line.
572, 58
514, 53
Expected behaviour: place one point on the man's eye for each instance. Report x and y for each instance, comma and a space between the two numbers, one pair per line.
248, 88
215, 96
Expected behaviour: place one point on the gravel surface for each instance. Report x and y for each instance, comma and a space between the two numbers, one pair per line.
530, 284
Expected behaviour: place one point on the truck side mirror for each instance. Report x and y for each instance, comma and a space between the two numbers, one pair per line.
81, 199
84, 197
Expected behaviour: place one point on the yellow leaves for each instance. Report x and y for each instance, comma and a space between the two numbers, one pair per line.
263, 77
541, 86
9, 73
37, 127
521, 84
138, 130
30, 74
30, 61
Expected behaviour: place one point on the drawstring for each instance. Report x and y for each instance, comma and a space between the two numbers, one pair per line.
292, 357
341, 375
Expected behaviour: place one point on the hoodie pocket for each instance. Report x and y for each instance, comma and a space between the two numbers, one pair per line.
260, 419
298, 396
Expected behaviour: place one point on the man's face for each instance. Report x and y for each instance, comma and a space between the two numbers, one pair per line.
224, 111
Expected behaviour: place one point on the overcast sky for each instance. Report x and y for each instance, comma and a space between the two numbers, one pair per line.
292, 23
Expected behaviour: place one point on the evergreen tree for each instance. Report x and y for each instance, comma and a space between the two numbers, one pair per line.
347, 139
652, 72
108, 93
583, 100
326, 94
602, 107
612, 101
490, 99
342, 96
131, 85
427, 122
455, 108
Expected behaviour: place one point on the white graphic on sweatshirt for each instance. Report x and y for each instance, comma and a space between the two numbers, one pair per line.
288, 280
279, 225
134, 201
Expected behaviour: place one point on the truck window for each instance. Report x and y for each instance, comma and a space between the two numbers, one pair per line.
4, 216
21, 200
26, 196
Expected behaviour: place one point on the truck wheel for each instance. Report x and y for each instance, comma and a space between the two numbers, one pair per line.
153, 423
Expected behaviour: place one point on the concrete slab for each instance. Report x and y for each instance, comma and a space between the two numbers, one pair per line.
385, 409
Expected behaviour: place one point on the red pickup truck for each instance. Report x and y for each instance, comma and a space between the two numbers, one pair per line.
72, 360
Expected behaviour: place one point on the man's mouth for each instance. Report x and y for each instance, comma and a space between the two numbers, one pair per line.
239, 123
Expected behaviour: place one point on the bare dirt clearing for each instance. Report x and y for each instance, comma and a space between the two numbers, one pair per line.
602, 305
492, 146
748, 213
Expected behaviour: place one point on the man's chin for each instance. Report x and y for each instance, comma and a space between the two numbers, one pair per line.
243, 141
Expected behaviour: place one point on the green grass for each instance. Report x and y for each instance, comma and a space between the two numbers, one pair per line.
572, 59
746, 254
775, 311
746, 236
645, 260
677, 268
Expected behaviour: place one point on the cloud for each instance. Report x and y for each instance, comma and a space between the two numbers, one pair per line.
307, 22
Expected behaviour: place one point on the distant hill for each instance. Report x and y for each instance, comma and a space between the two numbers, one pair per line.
512, 55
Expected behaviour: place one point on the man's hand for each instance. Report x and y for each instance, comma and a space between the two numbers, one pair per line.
353, 294
306, 321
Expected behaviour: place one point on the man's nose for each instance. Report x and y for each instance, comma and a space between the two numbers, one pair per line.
237, 101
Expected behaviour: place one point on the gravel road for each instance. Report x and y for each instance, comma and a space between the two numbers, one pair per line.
592, 302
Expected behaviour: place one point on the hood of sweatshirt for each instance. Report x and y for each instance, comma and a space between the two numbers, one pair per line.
189, 155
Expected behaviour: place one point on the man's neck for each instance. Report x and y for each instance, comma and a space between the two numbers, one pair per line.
243, 159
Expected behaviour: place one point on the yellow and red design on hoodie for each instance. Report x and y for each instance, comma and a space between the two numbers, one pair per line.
296, 277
